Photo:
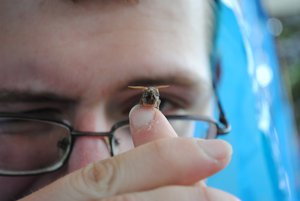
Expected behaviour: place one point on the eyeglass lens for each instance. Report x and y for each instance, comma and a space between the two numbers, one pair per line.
27, 145
123, 142
30, 145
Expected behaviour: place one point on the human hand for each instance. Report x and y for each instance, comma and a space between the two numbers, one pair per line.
161, 167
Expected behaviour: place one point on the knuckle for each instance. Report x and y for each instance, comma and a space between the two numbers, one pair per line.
101, 177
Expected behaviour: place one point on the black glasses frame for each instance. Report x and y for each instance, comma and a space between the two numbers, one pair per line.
223, 127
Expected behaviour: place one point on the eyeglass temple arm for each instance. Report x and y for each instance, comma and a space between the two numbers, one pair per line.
226, 127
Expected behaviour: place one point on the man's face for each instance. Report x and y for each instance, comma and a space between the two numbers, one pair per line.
74, 60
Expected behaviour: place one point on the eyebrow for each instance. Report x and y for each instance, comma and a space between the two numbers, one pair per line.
26, 96
202, 88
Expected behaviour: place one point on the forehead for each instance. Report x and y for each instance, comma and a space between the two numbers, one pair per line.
44, 41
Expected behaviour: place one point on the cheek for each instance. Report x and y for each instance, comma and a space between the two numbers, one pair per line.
11, 188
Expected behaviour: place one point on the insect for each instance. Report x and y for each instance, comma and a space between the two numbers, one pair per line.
150, 96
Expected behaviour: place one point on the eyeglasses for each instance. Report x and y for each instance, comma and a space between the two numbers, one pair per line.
31, 145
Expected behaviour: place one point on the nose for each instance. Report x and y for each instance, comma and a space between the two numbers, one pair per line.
88, 149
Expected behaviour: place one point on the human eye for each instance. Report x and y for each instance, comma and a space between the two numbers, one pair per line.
44, 112
170, 104
40, 105
12, 126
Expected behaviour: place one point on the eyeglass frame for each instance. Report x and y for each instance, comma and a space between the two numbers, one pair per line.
223, 127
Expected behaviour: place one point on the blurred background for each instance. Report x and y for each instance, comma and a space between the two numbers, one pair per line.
258, 41
284, 25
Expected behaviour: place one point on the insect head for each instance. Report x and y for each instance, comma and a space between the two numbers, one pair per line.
150, 96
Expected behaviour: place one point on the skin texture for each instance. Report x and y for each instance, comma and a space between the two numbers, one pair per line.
75, 60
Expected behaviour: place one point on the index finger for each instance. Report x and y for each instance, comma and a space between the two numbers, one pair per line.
147, 167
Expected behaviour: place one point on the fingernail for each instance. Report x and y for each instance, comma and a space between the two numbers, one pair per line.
216, 149
141, 117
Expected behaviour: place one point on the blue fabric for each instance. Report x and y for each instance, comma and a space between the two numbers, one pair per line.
265, 162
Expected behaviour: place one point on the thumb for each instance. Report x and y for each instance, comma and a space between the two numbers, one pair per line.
148, 124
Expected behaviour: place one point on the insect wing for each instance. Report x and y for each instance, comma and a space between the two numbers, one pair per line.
138, 87
162, 86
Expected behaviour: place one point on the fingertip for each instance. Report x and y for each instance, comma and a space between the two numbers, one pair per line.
141, 117
148, 124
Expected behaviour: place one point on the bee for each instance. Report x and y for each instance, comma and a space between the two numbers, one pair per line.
150, 96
